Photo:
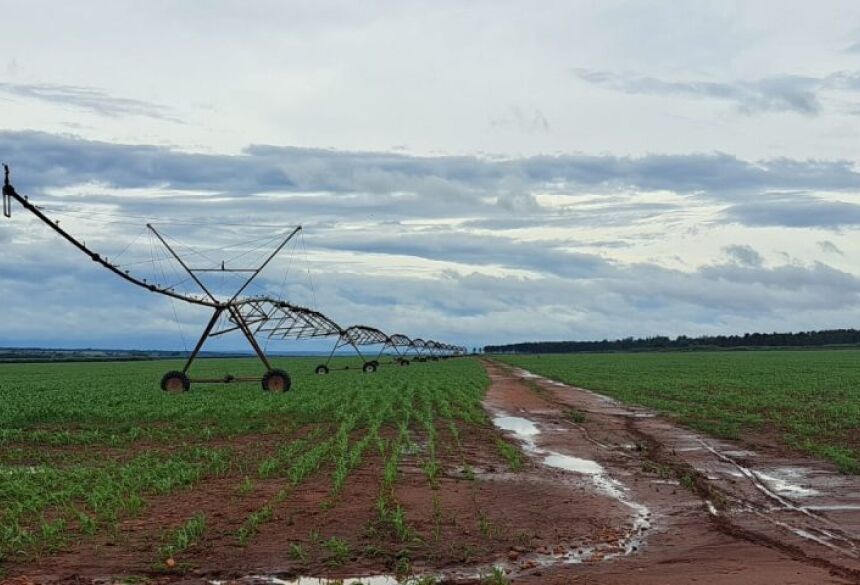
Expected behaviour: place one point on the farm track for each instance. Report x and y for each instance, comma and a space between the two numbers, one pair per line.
721, 513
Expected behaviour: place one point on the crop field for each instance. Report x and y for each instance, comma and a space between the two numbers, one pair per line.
808, 399
86, 447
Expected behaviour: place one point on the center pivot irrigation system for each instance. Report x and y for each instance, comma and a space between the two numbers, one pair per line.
253, 316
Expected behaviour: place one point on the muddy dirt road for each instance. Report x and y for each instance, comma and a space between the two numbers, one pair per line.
698, 510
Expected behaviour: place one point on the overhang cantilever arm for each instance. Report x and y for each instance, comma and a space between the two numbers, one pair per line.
9, 193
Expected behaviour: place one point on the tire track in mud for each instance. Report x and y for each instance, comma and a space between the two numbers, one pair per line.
631, 538
735, 499
722, 521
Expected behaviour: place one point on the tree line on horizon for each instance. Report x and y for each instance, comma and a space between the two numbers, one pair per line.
752, 340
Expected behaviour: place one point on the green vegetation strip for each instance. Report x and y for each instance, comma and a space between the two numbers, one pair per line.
810, 398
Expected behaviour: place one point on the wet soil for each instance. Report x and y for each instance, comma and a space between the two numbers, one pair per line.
475, 512
619, 496
723, 513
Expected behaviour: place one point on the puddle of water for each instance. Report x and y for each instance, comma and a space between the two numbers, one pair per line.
771, 486
574, 464
803, 533
672, 482
740, 453
526, 431
784, 486
833, 508
521, 426
369, 580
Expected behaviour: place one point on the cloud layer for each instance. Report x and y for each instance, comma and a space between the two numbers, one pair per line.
477, 250
87, 99
783, 93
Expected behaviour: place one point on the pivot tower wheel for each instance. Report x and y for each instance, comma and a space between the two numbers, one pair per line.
276, 381
369, 367
322, 370
404, 362
175, 382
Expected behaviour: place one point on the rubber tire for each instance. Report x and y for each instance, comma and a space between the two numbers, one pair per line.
276, 381
175, 382
369, 367
404, 362
321, 370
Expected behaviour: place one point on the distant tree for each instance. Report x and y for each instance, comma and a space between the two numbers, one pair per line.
752, 340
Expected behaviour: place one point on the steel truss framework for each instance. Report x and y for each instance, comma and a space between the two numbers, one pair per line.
251, 316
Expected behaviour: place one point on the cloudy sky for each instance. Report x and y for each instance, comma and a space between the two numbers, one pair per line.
479, 172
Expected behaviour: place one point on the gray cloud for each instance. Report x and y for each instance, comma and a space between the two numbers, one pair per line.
794, 211
528, 121
744, 255
784, 93
546, 257
519, 202
614, 212
88, 99
42, 161
830, 247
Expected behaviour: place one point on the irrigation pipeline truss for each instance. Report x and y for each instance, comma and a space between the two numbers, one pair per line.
251, 316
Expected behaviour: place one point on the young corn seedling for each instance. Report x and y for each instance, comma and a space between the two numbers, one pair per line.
297, 552
184, 537
338, 550
253, 523
511, 454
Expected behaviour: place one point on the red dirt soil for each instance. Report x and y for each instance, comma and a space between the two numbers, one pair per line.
805, 533
666, 507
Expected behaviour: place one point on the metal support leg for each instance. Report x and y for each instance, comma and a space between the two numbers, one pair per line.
342, 343
202, 339
334, 349
243, 327
358, 351
381, 351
